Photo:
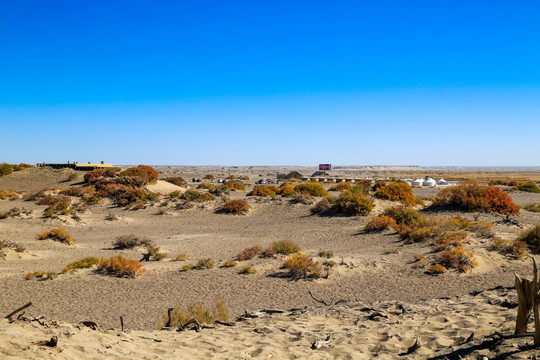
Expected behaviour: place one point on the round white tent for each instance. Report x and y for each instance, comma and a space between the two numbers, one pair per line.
441, 181
418, 182
429, 182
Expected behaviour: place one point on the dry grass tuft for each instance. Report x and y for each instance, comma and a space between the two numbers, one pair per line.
199, 312
303, 266
247, 270
85, 263
58, 234
379, 223
121, 267
131, 241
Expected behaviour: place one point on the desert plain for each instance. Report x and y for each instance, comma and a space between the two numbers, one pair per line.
377, 303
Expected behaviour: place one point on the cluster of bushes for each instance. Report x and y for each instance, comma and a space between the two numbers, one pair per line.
9, 194
197, 196
6, 244
13, 212
347, 203
396, 191
287, 190
57, 204
235, 207
206, 186
285, 247
526, 186
516, 249
6, 169
120, 266
153, 252
202, 264
531, 238
472, 196
176, 180
232, 186
58, 234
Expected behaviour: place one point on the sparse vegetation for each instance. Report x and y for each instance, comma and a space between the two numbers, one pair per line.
131, 241
303, 198
229, 263
14, 212
84, 263
6, 244
516, 249
236, 207
152, 252
532, 238
325, 254
232, 186
532, 207
176, 180
8, 194
249, 253
181, 257
205, 264
420, 261
263, 191
197, 196
287, 190
199, 312
58, 234
246, 270
121, 267
206, 186
285, 247
528, 187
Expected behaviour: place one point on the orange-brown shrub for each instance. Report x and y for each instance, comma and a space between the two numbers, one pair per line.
458, 258
353, 204
207, 186
471, 196
249, 253
263, 190
197, 196
312, 188
342, 186
9, 194
303, 266
303, 198
232, 186
287, 190
532, 238
248, 269
436, 269
58, 234
379, 223
77, 191
229, 263
419, 261
121, 266
130, 241
396, 191
93, 176
209, 177
236, 207
55, 200
147, 173
176, 180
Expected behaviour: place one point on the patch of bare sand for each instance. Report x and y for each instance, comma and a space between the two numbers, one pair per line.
164, 187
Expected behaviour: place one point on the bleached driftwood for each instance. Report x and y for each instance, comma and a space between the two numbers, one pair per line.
8, 316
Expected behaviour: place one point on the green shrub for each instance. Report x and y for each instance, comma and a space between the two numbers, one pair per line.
84, 263
312, 188
285, 247
153, 252
529, 187
205, 264
5, 169
531, 238
326, 254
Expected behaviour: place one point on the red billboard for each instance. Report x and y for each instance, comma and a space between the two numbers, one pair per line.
325, 167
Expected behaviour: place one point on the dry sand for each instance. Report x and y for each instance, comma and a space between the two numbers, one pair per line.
376, 270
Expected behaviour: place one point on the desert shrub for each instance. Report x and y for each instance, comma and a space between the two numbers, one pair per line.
295, 180
146, 173
78, 191
206, 186
58, 234
379, 223
361, 187
229, 263
130, 241
325, 205
516, 249
199, 312
232, 186
35, 274
448, 239
209, 177
197, 196
325, 253
529, 187
471, 196
6, 244
419, 261
285, 247
176, 180
84, 263
5, 169
184, 205
248, 269
205, 264
186, 267
303, 266
396, 191
94, 176
353, 204
457, 258
342, 186
13, 212
249, 253
268, 252
287, 190
121, 266
236, 207
244, 178
263, 190
405, 216
312, 188
175, 194
153, 252
436, 269
181, 257
51, 275
9, 194
532, 238
303, 198
532, 207
61, 200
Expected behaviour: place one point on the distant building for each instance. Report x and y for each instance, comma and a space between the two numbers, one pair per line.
76, 166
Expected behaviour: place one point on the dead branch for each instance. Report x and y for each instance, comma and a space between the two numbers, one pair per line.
8, 316
414, 347
317, 344
320, 300
92, 325
230, 323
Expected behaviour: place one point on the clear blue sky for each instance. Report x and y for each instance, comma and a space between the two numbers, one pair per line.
434, 82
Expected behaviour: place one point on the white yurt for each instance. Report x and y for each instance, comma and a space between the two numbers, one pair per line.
441, 181
429, 182
418, 182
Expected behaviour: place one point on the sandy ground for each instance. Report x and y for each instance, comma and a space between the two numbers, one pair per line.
376, 269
